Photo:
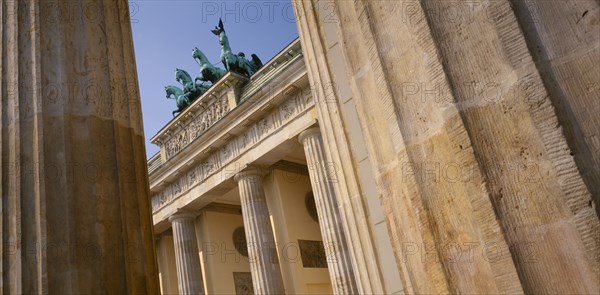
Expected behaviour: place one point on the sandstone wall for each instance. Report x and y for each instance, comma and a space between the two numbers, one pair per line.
480, 132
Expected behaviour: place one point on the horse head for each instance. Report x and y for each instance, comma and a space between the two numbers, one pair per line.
182, 76
223, 40
169, 90
173, 91
200, 57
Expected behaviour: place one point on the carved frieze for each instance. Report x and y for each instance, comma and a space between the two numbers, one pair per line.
236, 146
199, 124
287, 109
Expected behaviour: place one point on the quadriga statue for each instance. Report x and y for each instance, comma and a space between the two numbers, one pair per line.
208, 72
232, 62
174, 92
190, 88
190, 92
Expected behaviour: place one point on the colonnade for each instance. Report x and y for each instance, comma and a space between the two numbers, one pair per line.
264, 265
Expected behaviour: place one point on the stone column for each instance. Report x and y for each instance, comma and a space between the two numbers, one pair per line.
453, 163
338, 257
189, 275
264, 264
75, 209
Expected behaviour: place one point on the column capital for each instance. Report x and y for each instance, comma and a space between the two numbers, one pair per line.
310, 132
182, 214
249, 172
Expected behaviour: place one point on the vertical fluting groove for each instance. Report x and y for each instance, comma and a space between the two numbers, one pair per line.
370, 279
541, 215
338, 257
111, 23
2, 123
54, 39
38, 141
24, 140
506, 56
13, 156
123, 137
135, 122
70, 215
434, 269
189, 273
264, 266
566, 76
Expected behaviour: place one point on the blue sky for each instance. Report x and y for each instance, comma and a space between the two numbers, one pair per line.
165, 32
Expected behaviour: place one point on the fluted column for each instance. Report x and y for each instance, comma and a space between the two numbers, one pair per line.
189, 275
264, 264
75, 209
338, 257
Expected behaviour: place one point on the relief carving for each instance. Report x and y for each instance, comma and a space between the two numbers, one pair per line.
244, 140
192, 177
208, 168
263, 126
243, 283
313, 254
197, 127
223, 155
176, 187
287, 110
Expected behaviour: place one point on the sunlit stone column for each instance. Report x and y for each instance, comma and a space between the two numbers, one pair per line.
75, 209
189, 274
264, 264
338, 257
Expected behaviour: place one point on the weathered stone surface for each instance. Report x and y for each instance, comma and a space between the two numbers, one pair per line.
243, 283
463, 137
348, 189
75, 207
563, 39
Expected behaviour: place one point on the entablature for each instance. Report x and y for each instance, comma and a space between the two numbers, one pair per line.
259, 114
